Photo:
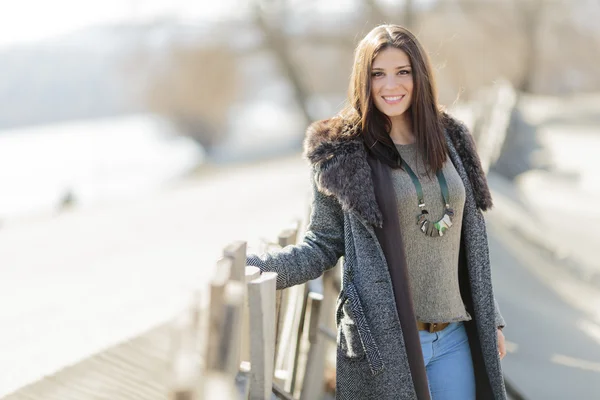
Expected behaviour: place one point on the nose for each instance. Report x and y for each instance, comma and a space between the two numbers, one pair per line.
392, 81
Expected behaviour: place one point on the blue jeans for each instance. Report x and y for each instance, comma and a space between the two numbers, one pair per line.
448, 363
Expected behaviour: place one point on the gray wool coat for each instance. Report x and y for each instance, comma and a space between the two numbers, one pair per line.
371, 354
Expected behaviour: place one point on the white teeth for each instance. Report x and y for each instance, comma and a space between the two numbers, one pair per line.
393, 98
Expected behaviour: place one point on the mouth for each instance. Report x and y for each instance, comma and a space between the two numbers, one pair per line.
392, 99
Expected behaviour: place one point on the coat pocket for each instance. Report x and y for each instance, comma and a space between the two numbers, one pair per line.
348, 335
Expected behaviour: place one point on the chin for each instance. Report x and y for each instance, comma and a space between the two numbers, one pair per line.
395, 114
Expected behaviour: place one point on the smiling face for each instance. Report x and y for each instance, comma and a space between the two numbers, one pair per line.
392, 82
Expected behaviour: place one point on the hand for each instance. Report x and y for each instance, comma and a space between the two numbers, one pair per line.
501, 344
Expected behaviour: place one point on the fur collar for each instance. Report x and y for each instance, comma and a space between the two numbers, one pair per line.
341, 168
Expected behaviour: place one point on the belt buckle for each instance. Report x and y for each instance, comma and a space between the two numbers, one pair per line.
432, 327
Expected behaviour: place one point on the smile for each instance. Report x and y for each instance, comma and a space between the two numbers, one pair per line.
392, 99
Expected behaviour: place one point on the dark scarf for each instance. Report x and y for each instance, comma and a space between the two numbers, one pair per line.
390, 239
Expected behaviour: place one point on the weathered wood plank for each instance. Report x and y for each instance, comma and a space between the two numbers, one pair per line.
311, 378
299, 331
186, 368
261, 294
237, 252
286, 237
223, 366
227, 359
286, 318
251, 274
218, 283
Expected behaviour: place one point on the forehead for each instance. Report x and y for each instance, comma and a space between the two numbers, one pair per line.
391, 57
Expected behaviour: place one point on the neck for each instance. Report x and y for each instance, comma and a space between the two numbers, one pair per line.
401, 132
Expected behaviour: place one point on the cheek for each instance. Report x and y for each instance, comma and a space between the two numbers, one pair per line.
375, 89
378, 103
374, 98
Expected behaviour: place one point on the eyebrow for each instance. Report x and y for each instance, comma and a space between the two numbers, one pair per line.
403, 66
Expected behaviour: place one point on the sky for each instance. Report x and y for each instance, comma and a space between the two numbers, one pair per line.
26, 21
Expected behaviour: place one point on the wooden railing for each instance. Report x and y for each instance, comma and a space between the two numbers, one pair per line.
252, 341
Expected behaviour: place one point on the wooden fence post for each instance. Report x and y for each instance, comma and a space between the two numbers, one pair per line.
237, 252
285, 238
311, 377
186, 380
332, 281
261, 295
289, 306
251, 274
215, 315
225, 314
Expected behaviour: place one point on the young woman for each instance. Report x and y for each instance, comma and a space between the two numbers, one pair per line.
398, 190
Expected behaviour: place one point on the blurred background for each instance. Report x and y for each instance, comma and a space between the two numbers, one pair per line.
137, 138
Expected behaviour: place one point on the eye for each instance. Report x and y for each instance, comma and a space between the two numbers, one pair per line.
404, 72
377, 73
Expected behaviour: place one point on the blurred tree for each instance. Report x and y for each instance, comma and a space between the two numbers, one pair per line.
486, 39
531, 14
535, 44
192, 85
268, 16
409, 14
376, 14
303, 60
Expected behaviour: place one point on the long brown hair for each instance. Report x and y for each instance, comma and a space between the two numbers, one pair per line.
374, 126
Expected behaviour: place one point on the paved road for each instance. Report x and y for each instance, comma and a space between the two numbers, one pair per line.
553, 322
564, 201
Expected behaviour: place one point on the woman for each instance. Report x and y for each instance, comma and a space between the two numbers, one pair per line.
398, 190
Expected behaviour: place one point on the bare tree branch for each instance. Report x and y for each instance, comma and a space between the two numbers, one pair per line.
409, 14
375, 11
531, 14
277, 42
311, 39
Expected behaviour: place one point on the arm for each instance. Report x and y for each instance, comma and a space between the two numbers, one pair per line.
322, 246
500, 323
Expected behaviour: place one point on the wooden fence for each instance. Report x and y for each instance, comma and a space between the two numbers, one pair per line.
253, 341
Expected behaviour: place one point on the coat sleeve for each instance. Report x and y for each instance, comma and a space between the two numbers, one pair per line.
320, 249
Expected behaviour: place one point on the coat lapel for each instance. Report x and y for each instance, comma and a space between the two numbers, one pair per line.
339, 160
460, 169
463, 152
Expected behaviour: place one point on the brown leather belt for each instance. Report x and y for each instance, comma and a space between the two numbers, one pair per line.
432, 326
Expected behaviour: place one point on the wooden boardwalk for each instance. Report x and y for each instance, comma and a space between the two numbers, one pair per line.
137, 369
